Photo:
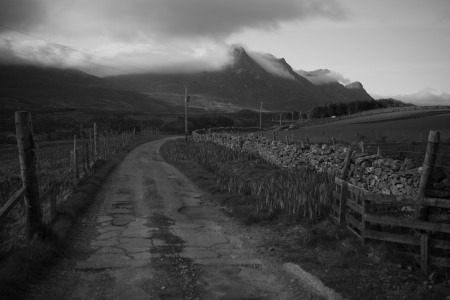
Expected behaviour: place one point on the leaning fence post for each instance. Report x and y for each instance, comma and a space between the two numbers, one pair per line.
28, 161
344, 188
347, 161
430, 158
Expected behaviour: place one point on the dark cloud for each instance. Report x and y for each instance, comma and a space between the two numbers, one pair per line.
154, 34
177, 18
22, 14
221, 18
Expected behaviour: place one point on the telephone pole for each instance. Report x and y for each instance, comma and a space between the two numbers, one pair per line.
186, 85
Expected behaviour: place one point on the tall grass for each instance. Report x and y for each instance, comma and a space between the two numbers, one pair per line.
302, 193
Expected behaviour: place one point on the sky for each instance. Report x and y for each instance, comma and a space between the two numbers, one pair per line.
392, 46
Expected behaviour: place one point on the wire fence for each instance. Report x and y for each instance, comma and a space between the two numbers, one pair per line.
59, 168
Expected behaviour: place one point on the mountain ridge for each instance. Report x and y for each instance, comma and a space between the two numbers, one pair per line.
249, 79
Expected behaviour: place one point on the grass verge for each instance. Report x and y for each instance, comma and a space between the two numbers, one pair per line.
377, 271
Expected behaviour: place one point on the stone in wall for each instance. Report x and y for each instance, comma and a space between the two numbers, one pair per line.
371, 172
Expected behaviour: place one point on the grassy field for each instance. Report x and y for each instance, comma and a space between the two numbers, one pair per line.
399, 135
395, 126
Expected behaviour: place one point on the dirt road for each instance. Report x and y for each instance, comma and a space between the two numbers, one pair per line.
152, 234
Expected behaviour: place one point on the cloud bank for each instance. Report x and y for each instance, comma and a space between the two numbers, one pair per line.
147, 33
270, 64
323, 76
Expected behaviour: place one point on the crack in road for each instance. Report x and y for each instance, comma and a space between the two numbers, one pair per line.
151, 235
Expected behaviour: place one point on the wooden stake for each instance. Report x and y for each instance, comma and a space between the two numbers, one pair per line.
28, 162
343, 202
95, 142
430, 158
424, 252
75, 157
347, 162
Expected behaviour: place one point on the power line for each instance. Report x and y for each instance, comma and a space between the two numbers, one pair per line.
75, 50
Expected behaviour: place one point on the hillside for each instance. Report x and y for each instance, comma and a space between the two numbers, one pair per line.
250, 78
50, 89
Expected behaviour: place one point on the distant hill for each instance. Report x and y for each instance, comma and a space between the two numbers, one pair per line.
249, 78
50, 89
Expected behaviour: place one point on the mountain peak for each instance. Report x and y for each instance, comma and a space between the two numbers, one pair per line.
236, 51
356, 85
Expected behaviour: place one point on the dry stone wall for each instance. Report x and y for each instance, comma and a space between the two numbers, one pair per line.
371, 172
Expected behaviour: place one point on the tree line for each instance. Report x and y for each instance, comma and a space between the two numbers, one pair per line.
341, 108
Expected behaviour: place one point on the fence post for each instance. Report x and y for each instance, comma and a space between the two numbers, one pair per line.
362, 147
287, 140
344, 188
306, 140
95, 142
379, 151
343, 202
91, 148
81, 156
365, 209
273, 136
86, 153
332, 141
424, 252
28, 161
347, 161
53, 204
75, 158
430, 157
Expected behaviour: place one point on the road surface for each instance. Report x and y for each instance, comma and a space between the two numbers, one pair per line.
152, 234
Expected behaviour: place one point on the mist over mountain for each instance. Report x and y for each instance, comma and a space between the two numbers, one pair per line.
427, 96
249, 78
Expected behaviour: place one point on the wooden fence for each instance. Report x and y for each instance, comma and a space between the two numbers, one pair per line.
88, 147
381, 217
385, 218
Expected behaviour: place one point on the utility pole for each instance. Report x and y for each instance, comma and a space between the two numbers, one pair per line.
186, 100
260, 115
